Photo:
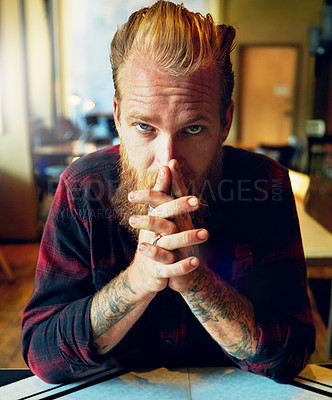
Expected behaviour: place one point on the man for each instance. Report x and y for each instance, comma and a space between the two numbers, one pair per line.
192, 255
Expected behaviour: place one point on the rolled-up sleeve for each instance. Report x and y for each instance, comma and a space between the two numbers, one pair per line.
275, 281
56, 327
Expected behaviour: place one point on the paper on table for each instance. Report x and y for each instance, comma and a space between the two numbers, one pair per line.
179, 384
24, 388
161, 384
199, 384
234, 384
34, 388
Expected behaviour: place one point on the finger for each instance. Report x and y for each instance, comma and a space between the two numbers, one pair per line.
178, 186
169, 208
153, 223
166, 267
149, 196
157, 253
183, 239
179, 189
177, 207
163, 182
177, 269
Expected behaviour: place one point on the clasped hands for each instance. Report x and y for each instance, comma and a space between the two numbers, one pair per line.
175, 256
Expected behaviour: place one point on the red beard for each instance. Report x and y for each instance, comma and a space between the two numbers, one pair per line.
131, 180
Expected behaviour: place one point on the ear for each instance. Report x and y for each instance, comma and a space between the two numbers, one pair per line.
116, 113
227, 123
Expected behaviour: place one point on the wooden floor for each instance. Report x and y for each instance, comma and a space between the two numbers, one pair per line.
14, 296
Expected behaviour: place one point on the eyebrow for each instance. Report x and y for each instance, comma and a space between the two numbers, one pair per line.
137, 115
186, 122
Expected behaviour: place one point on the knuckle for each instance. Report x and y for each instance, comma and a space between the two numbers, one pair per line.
171, 229
171, 257
156, 252
182, 208
151, 194
181, 268
187, 237
149, 220
159, 272
164, 256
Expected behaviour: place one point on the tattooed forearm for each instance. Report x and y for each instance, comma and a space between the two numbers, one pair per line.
227, 315
111, 304
115, 309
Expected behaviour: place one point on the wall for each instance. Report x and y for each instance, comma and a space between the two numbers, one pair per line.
18, 206
279, 22
39, 61
86, 28
257, 21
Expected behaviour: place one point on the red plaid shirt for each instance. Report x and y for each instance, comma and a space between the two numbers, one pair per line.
254, 244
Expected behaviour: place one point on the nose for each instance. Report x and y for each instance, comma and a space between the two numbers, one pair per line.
166, 149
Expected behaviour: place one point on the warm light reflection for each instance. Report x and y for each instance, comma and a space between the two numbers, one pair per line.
80, 147
1, 122
300, 183
89, 105
75, 100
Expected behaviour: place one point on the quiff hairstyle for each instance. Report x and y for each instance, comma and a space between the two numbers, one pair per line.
179, 41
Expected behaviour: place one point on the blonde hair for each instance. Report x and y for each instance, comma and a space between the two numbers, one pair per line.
178, 40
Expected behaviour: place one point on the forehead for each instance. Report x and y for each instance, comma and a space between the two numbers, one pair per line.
146, 83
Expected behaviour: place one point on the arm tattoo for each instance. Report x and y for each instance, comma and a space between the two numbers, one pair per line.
211, 299
111, 305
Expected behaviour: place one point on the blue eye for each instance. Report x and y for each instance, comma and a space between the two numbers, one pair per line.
143, 127
194, 129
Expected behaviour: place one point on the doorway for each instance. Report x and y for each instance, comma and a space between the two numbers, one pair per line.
267, 97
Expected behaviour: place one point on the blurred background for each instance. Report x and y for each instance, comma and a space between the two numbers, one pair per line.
56, 96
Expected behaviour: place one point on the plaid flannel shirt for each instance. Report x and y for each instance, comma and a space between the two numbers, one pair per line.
254, 244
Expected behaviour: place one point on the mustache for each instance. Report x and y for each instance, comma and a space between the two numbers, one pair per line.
131, 179
134, 180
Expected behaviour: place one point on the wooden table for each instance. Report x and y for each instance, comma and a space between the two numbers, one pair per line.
317, 240
317, 245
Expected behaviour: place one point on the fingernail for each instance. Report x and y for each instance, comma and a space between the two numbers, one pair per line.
161, 173
134, 221
142, 247
194, 262
193, 202
202, 234
131, 196
176, 166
